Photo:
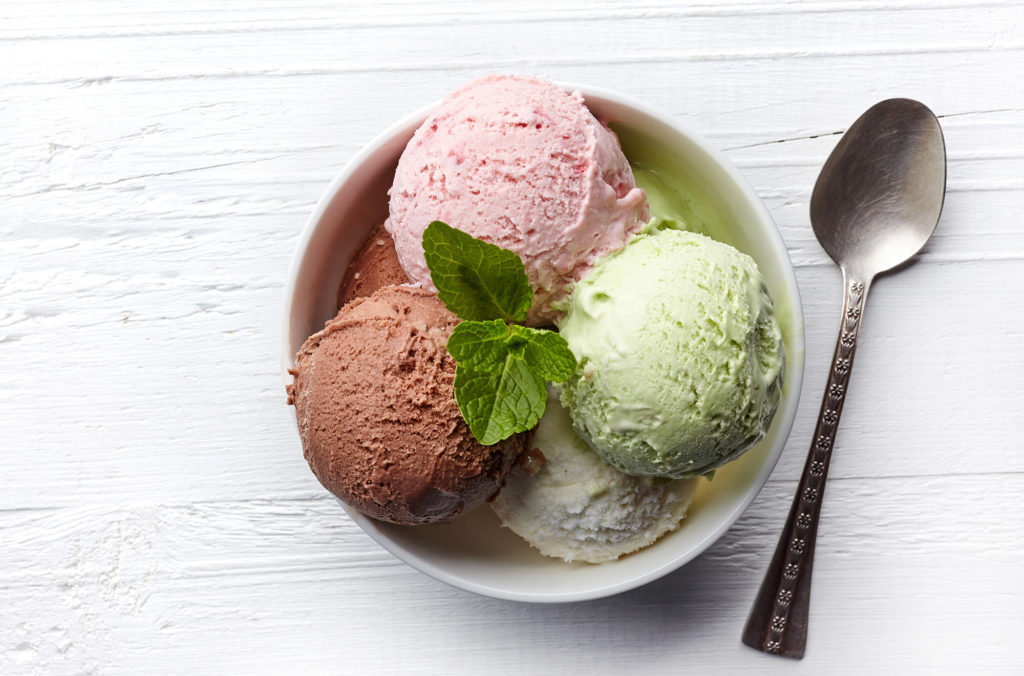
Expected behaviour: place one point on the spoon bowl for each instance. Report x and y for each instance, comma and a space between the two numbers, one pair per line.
880, 193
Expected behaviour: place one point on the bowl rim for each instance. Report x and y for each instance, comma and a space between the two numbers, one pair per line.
784, 417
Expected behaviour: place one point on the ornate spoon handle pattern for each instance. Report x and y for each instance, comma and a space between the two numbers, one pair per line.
778, 619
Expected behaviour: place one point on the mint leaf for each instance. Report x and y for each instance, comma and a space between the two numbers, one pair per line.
502, 375
481, 346
474, 279
546, 353
501, 402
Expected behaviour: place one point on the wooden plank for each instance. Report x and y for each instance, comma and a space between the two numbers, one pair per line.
345, 46
129, 589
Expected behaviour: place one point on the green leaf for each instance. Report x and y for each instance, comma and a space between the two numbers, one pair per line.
481, 346
474, 279
546, 353
502, 375
499, 403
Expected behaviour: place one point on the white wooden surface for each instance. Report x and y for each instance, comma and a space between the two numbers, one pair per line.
157, 161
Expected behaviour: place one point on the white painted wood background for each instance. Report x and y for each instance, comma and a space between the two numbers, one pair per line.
157, 162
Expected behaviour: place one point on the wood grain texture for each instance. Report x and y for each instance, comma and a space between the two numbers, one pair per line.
158, 162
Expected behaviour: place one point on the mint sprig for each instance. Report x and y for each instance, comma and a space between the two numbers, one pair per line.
502, 369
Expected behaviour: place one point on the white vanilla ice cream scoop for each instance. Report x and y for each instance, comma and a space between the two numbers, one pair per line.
579, 508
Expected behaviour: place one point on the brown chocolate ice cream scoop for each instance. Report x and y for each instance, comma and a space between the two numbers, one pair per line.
374, 398
375, 265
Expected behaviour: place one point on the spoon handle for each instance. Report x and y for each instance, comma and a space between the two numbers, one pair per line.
778, 619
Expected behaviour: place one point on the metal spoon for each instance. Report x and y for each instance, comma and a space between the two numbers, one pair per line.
876, 203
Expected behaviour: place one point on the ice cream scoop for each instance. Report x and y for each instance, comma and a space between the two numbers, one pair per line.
377, 416
522, 164
680, 356
375, 265
579, 508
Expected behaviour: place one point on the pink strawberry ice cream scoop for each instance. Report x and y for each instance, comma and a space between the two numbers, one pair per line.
522, 164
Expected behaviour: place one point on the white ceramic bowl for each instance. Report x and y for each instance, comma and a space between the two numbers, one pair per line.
474, 552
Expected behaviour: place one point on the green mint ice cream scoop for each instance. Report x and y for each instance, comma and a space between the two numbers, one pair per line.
680, 355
